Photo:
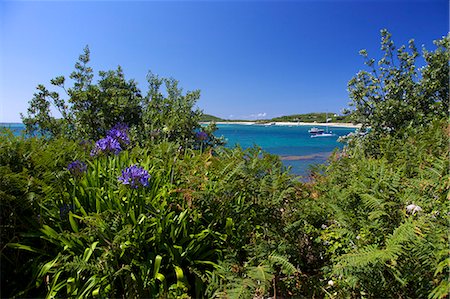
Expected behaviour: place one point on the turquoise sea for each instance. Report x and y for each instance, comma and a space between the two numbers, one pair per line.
292, 143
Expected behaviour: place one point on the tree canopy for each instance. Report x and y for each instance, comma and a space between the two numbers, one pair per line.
395, 92
91, 109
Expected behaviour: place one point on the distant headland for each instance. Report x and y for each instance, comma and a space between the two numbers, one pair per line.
308, 119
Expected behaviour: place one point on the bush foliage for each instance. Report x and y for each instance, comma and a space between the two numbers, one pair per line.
127, 196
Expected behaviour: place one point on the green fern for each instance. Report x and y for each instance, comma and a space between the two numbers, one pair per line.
287, 267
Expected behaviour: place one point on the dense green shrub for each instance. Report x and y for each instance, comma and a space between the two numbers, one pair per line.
91, 235
30, 173
153, 209
385, 218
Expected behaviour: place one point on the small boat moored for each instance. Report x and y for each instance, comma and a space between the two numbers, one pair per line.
327, 134
316, 130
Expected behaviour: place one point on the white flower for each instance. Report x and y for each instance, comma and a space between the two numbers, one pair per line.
412, 209
324, 226
330, 283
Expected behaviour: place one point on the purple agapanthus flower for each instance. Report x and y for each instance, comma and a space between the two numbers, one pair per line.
120, 133
106, 145
202, 136
135, 177
77, 168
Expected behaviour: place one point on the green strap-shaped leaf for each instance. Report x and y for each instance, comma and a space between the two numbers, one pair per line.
132, 216
70, 285
79, 206
45, 269
24, 247
180, 276
229, 226
92, 281
50, 232
54, 288
157, 265
182, 216
88, 251
73, 223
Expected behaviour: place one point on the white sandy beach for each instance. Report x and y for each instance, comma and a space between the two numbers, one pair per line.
339, 125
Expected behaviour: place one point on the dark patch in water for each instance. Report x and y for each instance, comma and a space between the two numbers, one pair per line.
324, 155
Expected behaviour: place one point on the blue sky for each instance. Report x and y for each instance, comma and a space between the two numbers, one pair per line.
248, 58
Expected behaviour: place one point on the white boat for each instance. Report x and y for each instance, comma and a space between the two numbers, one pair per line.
321, 132
327, 134
316, 130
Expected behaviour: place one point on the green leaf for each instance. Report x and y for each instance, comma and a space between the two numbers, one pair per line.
88, 251
24, 247
73, 223
44, 270
157, 265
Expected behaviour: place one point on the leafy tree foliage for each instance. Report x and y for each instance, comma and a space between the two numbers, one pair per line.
92, 109
395, 92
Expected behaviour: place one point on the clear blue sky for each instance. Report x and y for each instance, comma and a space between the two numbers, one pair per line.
247, 57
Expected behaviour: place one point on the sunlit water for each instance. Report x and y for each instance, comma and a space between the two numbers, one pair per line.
293, 144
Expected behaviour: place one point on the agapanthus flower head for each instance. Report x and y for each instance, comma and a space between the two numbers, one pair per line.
135, 176
412, 209
120, 133
77, 168
107, 145
202, 136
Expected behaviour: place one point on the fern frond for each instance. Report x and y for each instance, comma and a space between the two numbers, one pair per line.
441, 291
405, 232
371, 202
261, 274
286, 266
368, 255
239, 289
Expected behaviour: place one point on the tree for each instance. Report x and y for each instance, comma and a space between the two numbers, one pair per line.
92, 109
396, 93
171, 117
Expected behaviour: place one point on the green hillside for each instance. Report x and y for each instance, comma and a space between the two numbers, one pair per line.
319, 117
307, 117
208, 118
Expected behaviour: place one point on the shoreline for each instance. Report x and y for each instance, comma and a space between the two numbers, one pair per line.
248, 123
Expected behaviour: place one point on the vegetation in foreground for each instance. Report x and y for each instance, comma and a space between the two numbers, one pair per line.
143, 202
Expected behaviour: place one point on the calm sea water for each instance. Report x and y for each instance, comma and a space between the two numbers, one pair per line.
293, 144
